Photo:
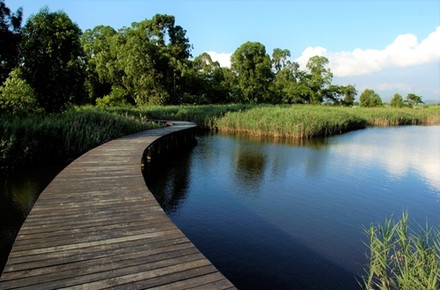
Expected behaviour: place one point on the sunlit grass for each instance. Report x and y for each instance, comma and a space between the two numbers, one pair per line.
38, 139
48, 139
298, 121
402, 258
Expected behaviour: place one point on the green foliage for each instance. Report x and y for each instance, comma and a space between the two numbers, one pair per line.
206, 80
40, 139
117, 97
100, 50
149, 60
413, 99
16, 96
339, 95
252, 67
397, 101
402, 258
48, 139
369, 98
320, 77
10, 28
53, 60
300, 121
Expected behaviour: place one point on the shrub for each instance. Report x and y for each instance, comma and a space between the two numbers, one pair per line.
16, 95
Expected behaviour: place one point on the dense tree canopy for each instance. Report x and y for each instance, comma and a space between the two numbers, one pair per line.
150, 62
53, 60
10, 34
369, 98
253, 69
397, 101
413, 99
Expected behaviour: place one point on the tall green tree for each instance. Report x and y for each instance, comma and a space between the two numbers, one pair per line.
340, 95
320, 78
280, 59
369, 98
397, 101
413, 99
154, 57
253, 69
208, 81
99, 45
10, 35
53, 60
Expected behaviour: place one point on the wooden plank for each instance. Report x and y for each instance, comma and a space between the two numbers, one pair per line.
97, 225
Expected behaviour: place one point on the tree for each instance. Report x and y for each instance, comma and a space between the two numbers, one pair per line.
153, 56
397, 101
10, 28
320, 77
53, 60
413, 99
208, 81
369, 98
288, 86
17, 96
253, 69
280, 59
100, 50
349, 92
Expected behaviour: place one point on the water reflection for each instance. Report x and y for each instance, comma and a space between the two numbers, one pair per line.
268, 213
18, 193
172, 183
249, 166
411, 151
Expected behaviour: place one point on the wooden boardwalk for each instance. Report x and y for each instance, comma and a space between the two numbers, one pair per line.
97, 226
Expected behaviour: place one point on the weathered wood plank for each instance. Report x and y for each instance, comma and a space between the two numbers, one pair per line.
97, 226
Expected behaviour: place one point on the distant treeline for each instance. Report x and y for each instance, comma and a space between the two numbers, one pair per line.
49, 64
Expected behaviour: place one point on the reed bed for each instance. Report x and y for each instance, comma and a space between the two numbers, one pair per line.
205, 116
53, 139
312, 121
283, 121
40, 139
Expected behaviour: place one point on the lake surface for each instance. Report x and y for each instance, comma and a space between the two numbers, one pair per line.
284, 216
18, 193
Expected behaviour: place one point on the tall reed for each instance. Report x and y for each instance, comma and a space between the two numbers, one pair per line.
402, 258
47, 139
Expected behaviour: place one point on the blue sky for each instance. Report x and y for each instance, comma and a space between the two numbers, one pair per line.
386, 45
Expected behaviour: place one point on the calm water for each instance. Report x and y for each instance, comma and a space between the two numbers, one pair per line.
18, 193
280, 216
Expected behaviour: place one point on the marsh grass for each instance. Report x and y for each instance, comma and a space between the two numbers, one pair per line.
205, 116
282, 121
304, 121
402, 258
53, 139
38, 139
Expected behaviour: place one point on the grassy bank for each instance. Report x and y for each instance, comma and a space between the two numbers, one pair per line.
37, 140
312, 121
300, 121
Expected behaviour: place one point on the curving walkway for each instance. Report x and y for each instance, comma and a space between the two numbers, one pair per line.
97, 226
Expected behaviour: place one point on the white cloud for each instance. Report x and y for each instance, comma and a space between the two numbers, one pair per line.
224, 58
405, 51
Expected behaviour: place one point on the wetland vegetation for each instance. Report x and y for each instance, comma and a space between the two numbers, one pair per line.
64, 91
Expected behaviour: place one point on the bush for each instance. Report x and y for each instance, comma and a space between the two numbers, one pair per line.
117, 97
16, 95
